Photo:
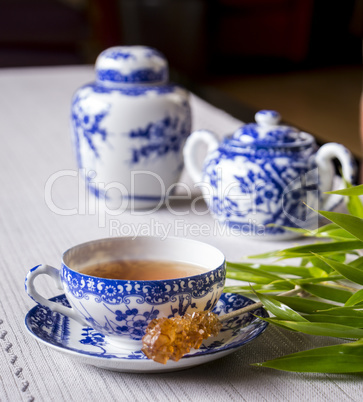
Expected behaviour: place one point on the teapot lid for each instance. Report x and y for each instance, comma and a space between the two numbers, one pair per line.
121, 65
267, 131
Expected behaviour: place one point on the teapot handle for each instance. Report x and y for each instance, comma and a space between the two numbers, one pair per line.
324, 160
191, 152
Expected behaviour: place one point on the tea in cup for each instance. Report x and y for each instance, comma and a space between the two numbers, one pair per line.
118, 285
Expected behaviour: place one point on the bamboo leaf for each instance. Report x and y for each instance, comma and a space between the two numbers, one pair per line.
331, 247
253, 277
279, 309
352, 311
248, 274
353, 202
318, 328
327, 228
348, 271
356, 298
351, 191
338, 234
306, 250
281, 269
355, 207
247, 291
317, 272
346, 358
350, 223
306, 306
357, 263
350, 321
330, 277
328, 292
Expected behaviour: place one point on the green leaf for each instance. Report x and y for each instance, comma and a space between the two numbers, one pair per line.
351, 224
261, 288
357, 263
281, 269
356, 298
330, 277
327, 228
249, 274
318, 328
356, 322
353, 311
348, 271
282, 284
355, 191
328, 292
279, 309
338, 234
316, 272
355, 207
354, 204
346, 358
306, 306
331, 247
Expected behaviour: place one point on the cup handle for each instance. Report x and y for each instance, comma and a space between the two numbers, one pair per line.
54, 273
191, 155
324, 160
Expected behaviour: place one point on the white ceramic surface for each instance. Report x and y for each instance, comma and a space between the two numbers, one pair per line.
129, 128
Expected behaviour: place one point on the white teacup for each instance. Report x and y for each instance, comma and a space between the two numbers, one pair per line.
122, 309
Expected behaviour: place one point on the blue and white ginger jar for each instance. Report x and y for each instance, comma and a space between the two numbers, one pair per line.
129, 128
262, 177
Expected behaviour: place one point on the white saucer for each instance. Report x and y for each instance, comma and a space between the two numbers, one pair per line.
89, 346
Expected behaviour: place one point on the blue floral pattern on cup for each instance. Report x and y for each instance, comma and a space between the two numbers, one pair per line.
121, 298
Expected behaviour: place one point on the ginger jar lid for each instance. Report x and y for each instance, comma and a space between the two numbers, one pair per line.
120, 65
268, 131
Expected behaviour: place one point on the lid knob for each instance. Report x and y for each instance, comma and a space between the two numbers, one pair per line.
266, 130
267, 118
121, 65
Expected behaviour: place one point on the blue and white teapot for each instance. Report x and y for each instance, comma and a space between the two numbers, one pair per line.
129, 128
262, 177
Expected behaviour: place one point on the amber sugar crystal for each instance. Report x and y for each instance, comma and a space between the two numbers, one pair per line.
172, 338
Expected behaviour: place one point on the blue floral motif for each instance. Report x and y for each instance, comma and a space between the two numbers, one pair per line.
102, 126
137, 355
198, 286
133, 90
266, 175
136, 72
121, 298
137, 76
88, 125
54, 328
166, 135
50, 325
118, 54
94, 338
163, 136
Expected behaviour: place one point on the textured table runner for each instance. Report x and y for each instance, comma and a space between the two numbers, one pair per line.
36, 145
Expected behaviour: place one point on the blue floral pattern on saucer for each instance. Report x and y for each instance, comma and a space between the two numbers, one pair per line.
92, 347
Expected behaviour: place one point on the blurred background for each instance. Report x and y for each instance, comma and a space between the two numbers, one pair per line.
300, 57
